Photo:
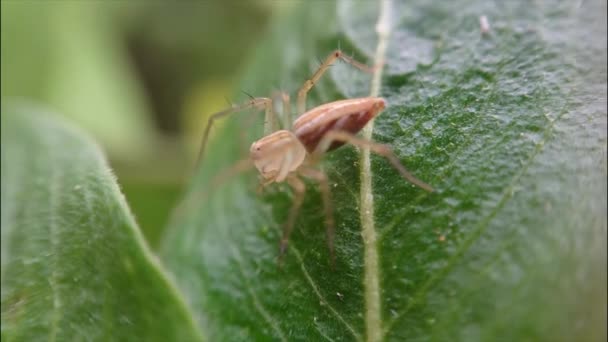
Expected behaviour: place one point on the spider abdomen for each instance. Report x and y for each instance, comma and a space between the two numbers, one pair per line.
349, 115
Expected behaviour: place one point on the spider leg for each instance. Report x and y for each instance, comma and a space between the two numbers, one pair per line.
321, 178
286, 108
195, 199
299, 189
329, 60
377, 148
257, 103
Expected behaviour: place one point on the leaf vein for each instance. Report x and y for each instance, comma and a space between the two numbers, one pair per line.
459, 152
256, 301
320, 295
507, 194
55, 185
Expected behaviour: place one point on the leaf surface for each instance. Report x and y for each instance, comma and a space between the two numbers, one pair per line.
509, 127
74, 264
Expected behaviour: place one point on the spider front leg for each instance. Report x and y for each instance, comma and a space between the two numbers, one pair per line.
286, 110
195, 199
241, 166
299, 189
321, 178
337, 54
255, 103
380, 149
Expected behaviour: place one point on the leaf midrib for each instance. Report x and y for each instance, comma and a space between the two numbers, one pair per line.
371, 260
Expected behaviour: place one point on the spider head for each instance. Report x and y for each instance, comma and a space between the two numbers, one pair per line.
277, 154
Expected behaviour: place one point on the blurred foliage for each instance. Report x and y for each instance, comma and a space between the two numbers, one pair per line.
78, 67
141, 77
150, 204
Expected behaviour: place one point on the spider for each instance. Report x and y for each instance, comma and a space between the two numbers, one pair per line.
290, 154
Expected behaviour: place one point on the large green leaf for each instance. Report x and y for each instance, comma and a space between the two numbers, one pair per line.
74, 264
510, 127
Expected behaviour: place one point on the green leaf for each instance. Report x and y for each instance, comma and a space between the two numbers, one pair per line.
74, 264
510, 127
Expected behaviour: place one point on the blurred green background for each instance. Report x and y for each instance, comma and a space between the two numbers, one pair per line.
141, 77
